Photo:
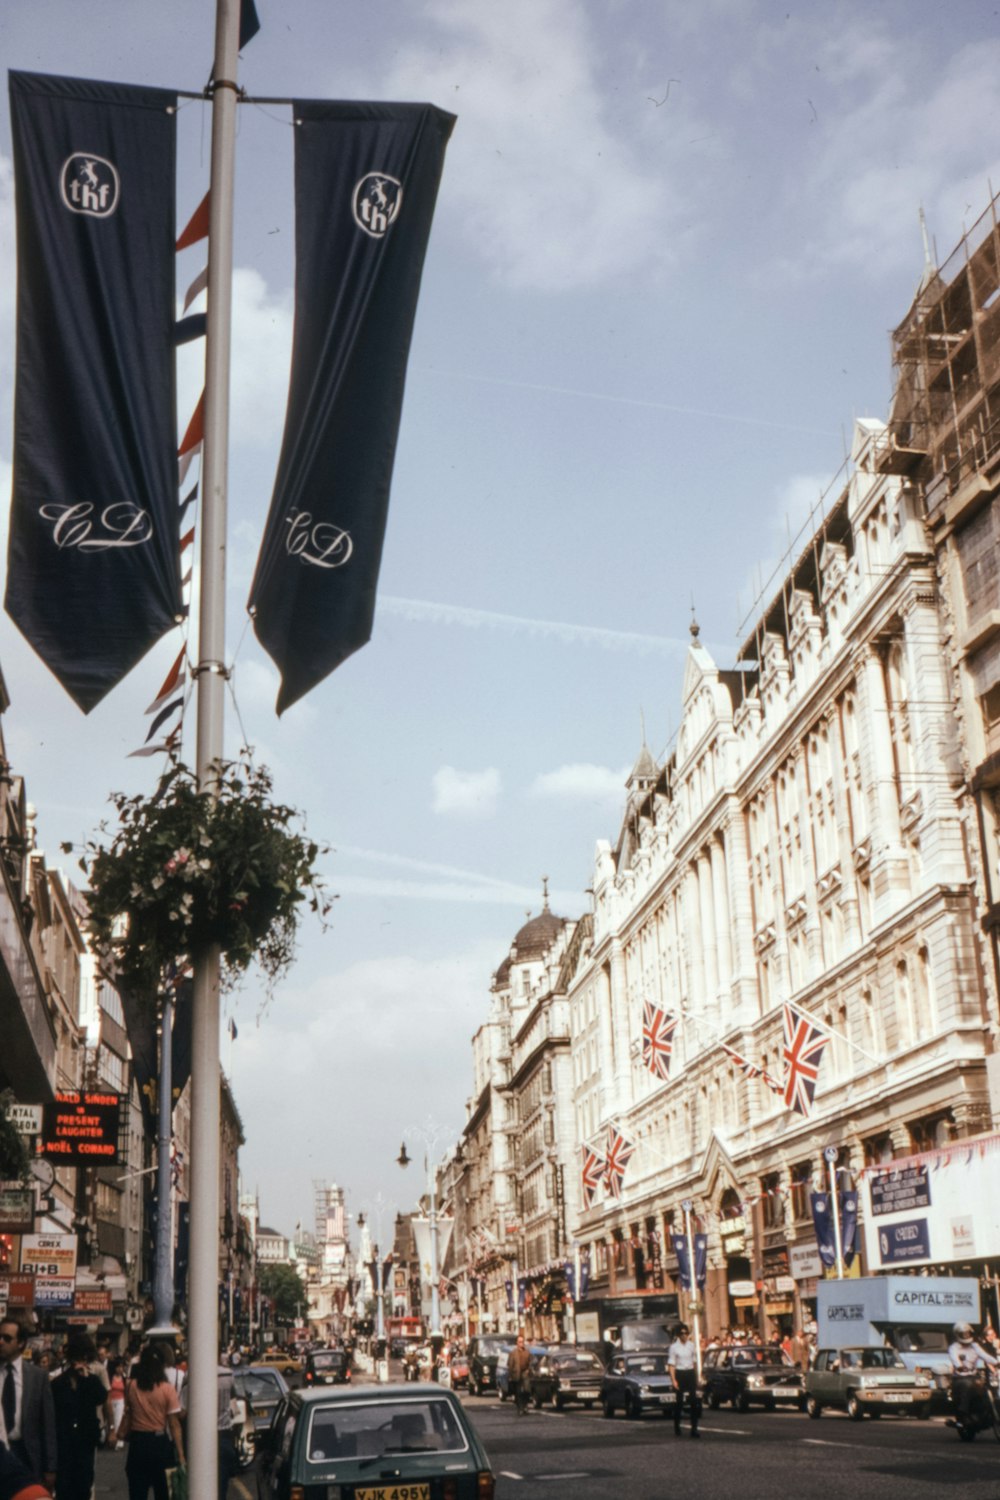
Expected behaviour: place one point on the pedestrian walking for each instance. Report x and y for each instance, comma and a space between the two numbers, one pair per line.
682, 1362
27, 1416
518, 1365
152, 1427
81, 1402
116, 1395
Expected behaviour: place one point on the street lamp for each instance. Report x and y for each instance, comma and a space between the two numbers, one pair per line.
430, 1133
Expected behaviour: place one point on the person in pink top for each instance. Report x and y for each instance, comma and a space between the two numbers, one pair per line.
151, 1424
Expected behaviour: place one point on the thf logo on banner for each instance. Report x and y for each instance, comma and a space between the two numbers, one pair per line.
377, 201
90, 185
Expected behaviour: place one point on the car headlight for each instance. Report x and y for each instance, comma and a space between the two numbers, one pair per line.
868, 1381
646, 1390
755, 1381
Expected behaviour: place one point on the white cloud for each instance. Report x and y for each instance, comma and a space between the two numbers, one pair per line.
582, 782
470, 794
540, 175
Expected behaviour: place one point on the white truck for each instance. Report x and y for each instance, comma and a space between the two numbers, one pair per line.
915, 1314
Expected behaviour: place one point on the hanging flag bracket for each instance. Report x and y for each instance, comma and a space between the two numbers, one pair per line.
223, 83
218, 667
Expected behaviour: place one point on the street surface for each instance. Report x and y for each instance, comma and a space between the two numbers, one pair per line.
579, 1455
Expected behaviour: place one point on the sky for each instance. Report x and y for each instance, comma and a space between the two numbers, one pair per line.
670, 243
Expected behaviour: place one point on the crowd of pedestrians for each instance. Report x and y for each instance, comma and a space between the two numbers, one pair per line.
58, 1409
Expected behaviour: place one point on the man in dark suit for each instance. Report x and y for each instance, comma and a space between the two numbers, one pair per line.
27, 1413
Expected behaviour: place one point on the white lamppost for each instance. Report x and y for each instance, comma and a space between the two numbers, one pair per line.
431, 1134
830, 1155
687, 1206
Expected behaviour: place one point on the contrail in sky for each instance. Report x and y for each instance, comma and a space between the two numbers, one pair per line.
591, 635
680, 411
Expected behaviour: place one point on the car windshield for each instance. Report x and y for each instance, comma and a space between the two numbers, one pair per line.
881, 1359
258, 1385
369, 1429
492, 1346
567, 1363
331, 1361
649, 1364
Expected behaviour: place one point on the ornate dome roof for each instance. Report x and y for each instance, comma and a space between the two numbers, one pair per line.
537, 935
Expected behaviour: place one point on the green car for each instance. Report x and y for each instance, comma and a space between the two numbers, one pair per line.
378, 1442
861, 1381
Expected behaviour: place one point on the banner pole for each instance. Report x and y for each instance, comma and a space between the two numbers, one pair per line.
830, 1155
203, 1305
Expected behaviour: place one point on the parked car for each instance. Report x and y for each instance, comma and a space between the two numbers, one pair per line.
865, 1380
637, 1383
263, 1388
333, 1440
503, 1380
327, 1367
565, 1375
281, 1359
749, 1373
483, 1355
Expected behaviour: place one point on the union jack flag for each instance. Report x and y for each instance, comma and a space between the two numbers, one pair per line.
591, 1175
617, 1155
803, 1052
658, 1028
753, 1070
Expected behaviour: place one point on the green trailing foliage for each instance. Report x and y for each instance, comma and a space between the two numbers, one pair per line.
187, 868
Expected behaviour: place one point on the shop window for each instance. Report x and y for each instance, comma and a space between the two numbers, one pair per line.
772, 1204
932, 1132
801, 1186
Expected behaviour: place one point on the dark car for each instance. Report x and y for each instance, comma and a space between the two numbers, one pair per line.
264, 1388
327, 1367
388, 1440
637, 1383
866, 1380
749, 1374
565, 1375
483, 1355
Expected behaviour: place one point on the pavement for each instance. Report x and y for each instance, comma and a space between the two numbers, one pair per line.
111, 1484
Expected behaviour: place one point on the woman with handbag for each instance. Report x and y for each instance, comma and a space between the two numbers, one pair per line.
152, 1426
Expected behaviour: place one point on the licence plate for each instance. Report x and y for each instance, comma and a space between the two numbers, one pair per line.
897, 1396
393, 1492
586, 1395
785, 1390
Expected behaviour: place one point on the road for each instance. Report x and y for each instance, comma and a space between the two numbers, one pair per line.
578, 1455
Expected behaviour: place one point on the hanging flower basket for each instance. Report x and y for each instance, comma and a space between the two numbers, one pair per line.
186, 869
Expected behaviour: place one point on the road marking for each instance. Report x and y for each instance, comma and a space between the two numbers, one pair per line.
826, 1443
570, 1474
509, 1474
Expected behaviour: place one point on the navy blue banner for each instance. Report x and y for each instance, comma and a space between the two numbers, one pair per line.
909, 1240
826, 1242
93, 572
366, 181
849, 1226
700, 1259
680, 1245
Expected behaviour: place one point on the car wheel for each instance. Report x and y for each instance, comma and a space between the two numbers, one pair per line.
803, 1403
742, 1401
713, 1398
607, 1407
813, 1407
855, 1410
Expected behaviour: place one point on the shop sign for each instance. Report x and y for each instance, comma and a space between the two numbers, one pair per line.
804, 1262
18, 1291
784, 1284
744, 1301
25, 1118
908, 1240
742, 1289
54, 1291
896, 1192
48, 1254
782, 1306
733, 1235
963, 1239
92, 1302
17, 1212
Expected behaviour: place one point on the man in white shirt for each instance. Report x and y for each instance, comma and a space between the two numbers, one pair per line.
682, 1362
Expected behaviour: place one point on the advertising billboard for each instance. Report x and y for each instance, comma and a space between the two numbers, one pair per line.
81, 1128
937, 1208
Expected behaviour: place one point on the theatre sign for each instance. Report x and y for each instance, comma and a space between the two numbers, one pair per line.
81, 1128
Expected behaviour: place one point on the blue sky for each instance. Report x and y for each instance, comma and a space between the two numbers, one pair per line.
670, 243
